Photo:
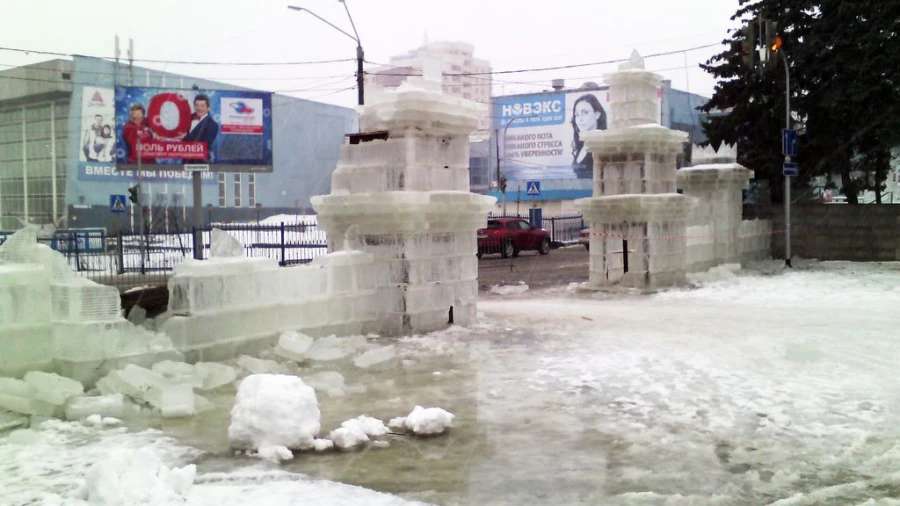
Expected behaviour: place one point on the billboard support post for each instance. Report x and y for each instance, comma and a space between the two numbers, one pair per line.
198, 216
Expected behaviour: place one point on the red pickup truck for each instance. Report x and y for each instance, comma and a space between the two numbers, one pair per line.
509, 236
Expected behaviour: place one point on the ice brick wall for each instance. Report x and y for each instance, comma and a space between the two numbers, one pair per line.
223, 307
718, 190
701, 249
51, 319
755, 237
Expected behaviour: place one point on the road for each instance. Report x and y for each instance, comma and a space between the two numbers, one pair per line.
559, 268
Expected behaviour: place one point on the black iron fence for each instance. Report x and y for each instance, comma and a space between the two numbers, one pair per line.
128, 259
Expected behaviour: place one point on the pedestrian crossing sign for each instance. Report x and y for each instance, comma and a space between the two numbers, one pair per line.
117, 204
533, 188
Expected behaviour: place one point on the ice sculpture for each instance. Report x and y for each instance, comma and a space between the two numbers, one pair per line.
405, 186
637, 219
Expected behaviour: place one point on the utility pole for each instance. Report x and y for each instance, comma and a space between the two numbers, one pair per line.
752, 56
360, 74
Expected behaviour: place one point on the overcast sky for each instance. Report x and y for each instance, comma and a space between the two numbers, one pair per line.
511, 34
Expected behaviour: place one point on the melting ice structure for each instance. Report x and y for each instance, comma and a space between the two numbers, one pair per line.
401, 227
644, 234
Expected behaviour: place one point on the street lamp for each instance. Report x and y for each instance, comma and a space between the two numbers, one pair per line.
355, 37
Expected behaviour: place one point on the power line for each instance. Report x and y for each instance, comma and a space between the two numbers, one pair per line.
180, 62
558, 67
124, 69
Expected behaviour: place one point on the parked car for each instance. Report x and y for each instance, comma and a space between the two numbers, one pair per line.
584, 238
509, 236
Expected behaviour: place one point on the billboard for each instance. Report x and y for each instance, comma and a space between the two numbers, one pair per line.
97, 144
231, 131
539, 134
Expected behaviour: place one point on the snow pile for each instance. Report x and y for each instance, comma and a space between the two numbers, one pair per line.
136, 477
293, 346
274, 410
40, 393
357, 431
718, 273
509, 289
428, 421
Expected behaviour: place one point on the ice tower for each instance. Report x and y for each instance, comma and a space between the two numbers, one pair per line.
637, 218
401, 193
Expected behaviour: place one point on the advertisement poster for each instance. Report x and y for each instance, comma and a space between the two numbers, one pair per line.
539, 134
97, 144
231, 131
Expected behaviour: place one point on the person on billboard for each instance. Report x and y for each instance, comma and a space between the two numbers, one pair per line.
203, 127
104, 144
587, 115
138, 129
90, 137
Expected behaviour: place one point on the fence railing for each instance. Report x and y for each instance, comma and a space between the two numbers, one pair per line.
564, 230
127, 259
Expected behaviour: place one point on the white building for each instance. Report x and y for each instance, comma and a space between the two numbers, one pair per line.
464, 75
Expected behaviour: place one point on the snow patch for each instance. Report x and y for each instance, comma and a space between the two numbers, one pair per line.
136, 477
429, 421
509, 289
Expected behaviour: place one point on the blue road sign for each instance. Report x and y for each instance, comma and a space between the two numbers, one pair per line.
789, 142
117, 204
533, 188
790, 169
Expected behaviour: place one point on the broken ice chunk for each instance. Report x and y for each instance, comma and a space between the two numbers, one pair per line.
173, 400
378, 358
18, 397
430, 421
53, 388
9, 420
330, 382
334, 348
202, 404
260, 366
94, 420
177, 372
224, 245
214, 375
80, 407
293, 346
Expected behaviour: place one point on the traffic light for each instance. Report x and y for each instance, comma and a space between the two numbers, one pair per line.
748, 46
773, 42
134, 195
502, 184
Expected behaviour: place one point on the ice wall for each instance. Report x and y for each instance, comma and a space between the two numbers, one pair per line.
51, 319
225, 307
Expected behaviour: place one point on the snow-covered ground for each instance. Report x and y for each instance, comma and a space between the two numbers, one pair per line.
755, 387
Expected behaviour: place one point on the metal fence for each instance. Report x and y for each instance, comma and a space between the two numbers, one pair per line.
129, 259
564, 230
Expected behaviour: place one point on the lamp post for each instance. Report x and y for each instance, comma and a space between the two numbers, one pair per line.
355, 37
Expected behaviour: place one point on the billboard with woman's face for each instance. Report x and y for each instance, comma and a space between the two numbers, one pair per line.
540, 135
230, 131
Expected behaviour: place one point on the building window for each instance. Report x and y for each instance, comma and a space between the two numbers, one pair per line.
251, 190
237, 190
222, 196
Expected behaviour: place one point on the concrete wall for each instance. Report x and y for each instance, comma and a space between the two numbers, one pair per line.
863, 233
